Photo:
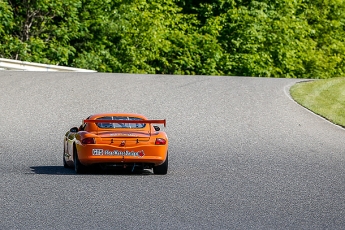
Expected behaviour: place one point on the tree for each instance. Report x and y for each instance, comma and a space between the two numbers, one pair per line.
279, 38
42, 30
144, 37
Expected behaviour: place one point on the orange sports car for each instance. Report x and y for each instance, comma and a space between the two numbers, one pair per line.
117, 140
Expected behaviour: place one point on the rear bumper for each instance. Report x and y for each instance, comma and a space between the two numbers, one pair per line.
107, 154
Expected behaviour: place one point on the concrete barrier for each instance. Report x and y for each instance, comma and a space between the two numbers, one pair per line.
9, 64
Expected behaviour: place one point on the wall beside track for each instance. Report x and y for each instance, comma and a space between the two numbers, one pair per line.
16, 65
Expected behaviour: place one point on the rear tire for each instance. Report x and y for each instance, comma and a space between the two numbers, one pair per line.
65, 165
78, 167
161, 169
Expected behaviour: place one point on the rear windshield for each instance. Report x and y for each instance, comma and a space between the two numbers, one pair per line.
120, 125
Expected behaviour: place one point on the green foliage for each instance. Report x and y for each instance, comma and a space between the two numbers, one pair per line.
327, 19
273, 40
42, 30
280, 38
6, 25
146, 37
6, 17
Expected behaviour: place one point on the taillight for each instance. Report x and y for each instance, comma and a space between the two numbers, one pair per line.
160, 141
88, 140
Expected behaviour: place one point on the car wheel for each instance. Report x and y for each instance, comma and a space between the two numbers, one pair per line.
65, 165
161, 169
78, 167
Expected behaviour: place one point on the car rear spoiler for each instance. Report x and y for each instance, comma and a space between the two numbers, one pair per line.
127, 121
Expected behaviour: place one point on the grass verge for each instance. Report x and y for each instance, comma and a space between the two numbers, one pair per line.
324, 97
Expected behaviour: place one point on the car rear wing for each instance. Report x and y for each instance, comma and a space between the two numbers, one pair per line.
128, 121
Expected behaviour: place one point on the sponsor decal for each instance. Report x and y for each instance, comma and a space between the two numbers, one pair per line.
141, 153
100, 152
123, 134
97, 152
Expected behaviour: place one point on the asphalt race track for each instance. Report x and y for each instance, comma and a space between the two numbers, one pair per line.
242, 155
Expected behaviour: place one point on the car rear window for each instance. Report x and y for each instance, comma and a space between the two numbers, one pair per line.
120, 125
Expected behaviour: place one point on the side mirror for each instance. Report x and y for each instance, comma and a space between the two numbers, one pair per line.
156, 128
74, 130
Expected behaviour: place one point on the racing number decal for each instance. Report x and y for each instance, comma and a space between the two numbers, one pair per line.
97, 152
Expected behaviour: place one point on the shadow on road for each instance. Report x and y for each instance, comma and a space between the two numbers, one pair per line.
60, 170
52, 170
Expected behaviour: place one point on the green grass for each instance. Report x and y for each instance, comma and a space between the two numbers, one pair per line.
324, 97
